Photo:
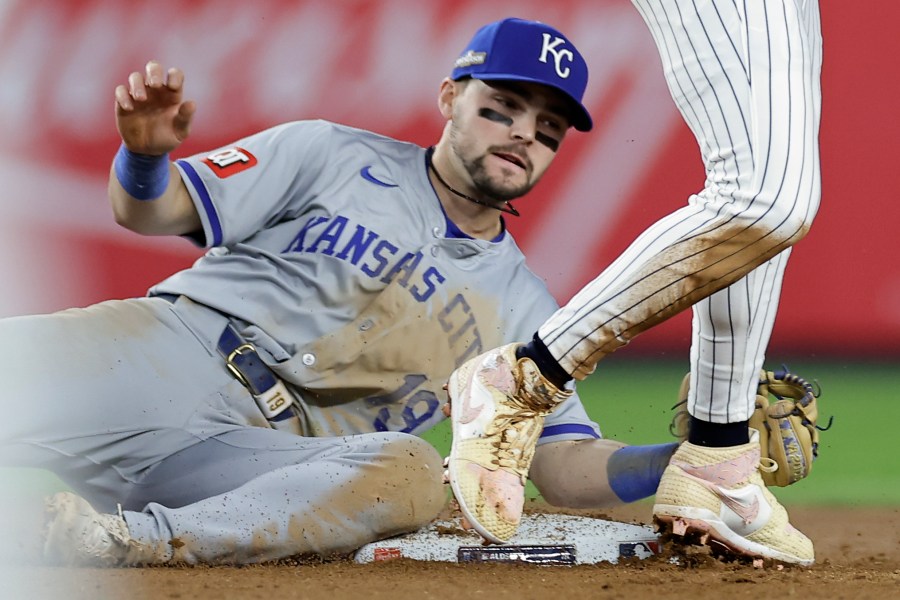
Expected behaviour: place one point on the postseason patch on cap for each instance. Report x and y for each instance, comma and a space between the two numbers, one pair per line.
469, 59
533, 555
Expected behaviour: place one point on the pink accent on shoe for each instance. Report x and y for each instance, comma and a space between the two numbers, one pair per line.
746, 509
723, 478
500, 376
729, 473
502, 490
494, 373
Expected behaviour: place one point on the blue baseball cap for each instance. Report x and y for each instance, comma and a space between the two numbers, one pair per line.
520, 50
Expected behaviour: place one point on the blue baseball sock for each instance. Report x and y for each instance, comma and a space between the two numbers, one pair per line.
634, 471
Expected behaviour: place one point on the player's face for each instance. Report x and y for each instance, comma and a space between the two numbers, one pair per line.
506, 134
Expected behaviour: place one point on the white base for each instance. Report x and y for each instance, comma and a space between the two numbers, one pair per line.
546, 539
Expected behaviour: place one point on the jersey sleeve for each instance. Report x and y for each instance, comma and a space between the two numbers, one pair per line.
242, 188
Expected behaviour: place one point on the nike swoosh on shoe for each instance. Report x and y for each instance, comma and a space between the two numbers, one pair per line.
492, 372
747, 510
743, 502
468, 411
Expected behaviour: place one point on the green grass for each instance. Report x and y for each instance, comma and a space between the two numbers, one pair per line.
858, 460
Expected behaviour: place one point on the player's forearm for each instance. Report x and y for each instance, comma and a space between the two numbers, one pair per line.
171, 213
573, 474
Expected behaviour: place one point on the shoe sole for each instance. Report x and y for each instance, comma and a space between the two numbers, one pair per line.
681, 522
454, 390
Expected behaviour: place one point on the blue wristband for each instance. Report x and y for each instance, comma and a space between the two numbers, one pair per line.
144, 177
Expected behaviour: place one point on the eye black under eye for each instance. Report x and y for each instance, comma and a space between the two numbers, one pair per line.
546, 140
492, 115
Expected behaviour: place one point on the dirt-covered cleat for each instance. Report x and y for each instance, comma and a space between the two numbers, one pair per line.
717, 497
77, 535
498, 408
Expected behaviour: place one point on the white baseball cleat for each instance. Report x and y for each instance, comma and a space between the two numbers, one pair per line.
77, 535
718, 496
498, 408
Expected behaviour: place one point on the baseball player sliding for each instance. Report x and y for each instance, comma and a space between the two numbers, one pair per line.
265, 402
745, 76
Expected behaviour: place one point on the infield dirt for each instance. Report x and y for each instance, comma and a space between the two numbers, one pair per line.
858, 556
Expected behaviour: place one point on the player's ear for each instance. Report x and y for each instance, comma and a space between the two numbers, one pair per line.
447, 95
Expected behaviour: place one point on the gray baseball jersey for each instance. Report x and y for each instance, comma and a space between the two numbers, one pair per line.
335, 256
745, 76
331, 253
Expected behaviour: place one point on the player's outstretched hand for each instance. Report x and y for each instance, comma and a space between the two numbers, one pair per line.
151, 115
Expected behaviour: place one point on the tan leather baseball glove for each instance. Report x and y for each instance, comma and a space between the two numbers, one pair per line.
786, 418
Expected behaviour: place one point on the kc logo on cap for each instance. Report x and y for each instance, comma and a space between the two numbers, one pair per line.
520, 50
559, 54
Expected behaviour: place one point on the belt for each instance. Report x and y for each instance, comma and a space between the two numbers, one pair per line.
245, 364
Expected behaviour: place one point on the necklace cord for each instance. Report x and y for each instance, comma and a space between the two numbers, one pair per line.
507, 207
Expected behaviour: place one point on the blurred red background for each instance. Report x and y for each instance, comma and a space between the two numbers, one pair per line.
377, 65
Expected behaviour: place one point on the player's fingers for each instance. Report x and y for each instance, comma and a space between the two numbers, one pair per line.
186, 111
174, 79
123, 98
155, 75
136, 86
446, 410
182, 122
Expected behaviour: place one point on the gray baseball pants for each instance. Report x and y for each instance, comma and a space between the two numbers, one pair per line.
129, 403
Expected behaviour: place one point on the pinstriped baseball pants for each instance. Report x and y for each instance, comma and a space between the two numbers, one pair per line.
745, 76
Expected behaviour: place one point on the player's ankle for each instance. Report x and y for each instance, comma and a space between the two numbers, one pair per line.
546, 363
718, 435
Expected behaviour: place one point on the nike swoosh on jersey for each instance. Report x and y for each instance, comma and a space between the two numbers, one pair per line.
366, 173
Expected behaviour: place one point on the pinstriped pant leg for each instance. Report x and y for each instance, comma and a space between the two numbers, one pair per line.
745, 76
731, 330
